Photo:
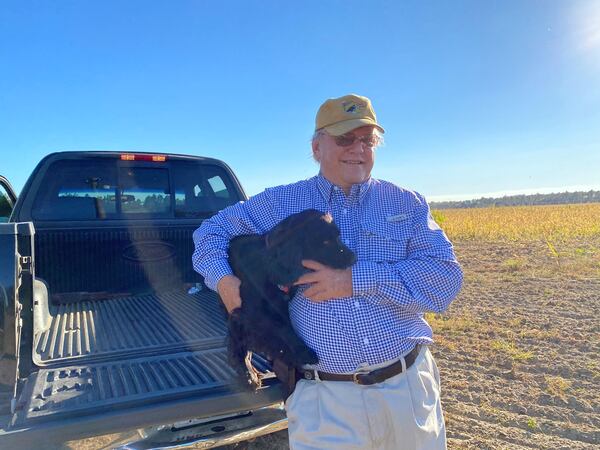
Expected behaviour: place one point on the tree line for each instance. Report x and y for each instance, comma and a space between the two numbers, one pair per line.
559, 198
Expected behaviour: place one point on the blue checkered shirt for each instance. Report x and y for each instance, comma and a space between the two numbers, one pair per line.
405, 267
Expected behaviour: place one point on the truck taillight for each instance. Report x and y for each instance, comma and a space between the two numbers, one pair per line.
138, 157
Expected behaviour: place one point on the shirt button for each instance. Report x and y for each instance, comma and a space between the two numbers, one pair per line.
347, 241
344, 211
356, 304
366, 341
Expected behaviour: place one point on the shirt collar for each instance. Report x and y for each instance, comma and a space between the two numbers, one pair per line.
327, 188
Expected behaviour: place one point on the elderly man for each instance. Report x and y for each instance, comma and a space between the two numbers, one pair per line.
376, 385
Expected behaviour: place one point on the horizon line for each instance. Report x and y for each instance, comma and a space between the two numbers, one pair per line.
511, 192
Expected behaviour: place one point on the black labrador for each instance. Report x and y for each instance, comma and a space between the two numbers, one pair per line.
267, 266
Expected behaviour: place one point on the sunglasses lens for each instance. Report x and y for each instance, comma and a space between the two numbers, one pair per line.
345, 140
370, 141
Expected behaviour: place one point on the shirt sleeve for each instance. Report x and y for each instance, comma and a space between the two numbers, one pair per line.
427, 280
211, 239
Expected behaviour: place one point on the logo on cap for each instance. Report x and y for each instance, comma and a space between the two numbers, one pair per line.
352, 107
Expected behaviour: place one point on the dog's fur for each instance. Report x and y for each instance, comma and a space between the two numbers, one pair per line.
265, 264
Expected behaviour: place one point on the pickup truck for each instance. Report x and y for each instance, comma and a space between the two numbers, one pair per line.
105, 328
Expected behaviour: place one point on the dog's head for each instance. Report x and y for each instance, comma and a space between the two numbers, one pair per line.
309, 234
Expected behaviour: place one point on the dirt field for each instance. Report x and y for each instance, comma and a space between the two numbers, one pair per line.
519, 349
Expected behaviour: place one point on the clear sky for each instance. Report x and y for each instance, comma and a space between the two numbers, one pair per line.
477, 97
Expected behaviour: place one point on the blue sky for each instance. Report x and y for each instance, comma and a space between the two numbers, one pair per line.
477, 97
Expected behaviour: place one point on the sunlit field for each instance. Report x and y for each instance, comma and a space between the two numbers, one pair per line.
521, 223
519, 349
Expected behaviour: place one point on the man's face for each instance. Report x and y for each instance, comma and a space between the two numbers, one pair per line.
345, 166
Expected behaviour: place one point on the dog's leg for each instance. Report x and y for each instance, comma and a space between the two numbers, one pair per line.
236, 342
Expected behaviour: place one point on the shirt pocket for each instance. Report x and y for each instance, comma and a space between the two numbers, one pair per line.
384, 242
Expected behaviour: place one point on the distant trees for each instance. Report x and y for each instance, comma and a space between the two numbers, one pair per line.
522, 200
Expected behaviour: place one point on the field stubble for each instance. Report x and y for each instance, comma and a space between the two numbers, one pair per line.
519, 348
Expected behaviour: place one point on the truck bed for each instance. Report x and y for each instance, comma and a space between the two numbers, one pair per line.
129, 352
147, 324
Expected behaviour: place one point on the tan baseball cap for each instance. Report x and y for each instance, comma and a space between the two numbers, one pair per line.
338, 116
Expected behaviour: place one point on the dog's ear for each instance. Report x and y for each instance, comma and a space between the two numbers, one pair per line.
285, 263
286, 244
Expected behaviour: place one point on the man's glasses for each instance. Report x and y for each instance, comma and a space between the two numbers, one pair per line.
346, 140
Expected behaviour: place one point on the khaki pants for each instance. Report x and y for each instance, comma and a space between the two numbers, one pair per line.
403, 412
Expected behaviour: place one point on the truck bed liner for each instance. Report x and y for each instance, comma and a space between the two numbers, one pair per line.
143, 324
92, 388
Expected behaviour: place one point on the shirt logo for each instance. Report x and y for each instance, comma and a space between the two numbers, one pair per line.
396, 218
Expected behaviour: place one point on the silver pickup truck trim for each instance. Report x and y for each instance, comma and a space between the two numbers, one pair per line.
214, 433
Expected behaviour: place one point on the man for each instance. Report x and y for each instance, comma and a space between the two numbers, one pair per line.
376, 384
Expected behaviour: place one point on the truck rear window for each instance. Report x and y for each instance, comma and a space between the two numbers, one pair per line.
98, 189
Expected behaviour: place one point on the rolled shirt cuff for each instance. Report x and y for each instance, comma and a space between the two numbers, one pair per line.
366, 275
217, 271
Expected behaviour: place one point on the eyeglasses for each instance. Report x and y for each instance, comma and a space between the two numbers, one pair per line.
346, 140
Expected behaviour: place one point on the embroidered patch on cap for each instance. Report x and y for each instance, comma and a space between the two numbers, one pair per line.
353, 107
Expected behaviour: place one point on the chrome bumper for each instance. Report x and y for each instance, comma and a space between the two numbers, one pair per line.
209, 434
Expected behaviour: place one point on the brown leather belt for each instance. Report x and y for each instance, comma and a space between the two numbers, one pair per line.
365, 378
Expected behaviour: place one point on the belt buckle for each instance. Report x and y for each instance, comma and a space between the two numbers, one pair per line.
355, 375
309, 374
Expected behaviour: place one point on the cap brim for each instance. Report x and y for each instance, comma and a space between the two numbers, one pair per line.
337, 129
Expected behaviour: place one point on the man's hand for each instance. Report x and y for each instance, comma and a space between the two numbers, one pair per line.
229, 290
326, 283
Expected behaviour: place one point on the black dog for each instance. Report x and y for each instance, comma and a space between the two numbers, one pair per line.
267, 266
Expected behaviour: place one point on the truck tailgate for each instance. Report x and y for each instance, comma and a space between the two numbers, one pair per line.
79, 390
188, 404
131, 362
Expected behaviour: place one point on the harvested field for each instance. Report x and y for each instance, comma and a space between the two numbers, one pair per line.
519, 349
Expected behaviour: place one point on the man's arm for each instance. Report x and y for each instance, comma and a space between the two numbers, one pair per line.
211, 241
427, 280
228, 288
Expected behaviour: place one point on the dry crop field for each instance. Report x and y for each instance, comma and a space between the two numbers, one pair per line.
519, 349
